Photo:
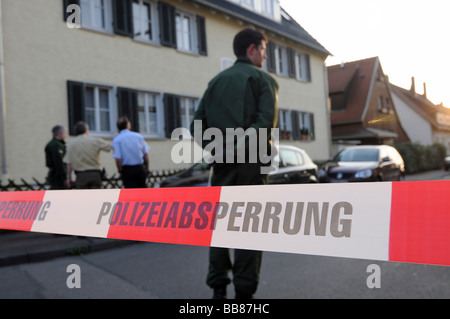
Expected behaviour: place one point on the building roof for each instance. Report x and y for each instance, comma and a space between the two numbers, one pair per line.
288, 27
422, 106
356, 79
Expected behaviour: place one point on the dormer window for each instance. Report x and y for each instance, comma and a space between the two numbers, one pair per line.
268, 8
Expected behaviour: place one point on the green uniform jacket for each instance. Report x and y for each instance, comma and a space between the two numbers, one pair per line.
242, 96
54, 153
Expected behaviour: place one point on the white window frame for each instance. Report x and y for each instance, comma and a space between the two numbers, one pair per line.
248, 3
267, 8
112, 107
304, 120
281, 60
301, 66
143, 22
191, 32
285, 123
146, 131
90, 22
185, 111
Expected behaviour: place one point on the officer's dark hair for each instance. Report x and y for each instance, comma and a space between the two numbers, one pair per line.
80, 128
244, 39
57, 129
122, 123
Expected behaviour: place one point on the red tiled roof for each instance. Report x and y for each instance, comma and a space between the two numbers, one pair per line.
340, 77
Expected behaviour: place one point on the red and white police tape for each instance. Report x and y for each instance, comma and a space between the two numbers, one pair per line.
400, 221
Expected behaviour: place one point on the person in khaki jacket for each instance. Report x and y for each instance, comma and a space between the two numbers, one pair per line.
83, 157
243, 96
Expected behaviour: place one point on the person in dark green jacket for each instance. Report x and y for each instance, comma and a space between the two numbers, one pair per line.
243, 96
54, 153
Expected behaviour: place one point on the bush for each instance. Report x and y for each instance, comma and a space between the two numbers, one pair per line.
419, 158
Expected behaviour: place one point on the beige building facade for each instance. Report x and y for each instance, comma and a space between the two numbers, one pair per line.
150, 60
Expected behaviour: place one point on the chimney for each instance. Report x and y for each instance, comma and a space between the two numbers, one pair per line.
413, 85
424, 90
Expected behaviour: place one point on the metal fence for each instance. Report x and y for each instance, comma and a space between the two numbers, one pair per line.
108, 183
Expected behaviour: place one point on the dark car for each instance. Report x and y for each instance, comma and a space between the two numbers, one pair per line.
447, 163
294, 167
370, 163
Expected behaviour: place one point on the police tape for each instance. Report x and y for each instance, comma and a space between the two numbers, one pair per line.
399, 221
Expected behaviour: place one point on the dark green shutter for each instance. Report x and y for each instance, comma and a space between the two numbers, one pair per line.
291, 63
123, 17
172, 116
270, 52
67, 3
167, 26
128, 106
75, 94
201, 31
295, 126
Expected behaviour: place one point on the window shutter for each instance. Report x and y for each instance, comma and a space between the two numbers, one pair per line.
123, 17
67, 3
308, 68
295, 126
201, 30
128, 106
75, 93
271, 64
291, 63
312, 132
167, 24
171, 113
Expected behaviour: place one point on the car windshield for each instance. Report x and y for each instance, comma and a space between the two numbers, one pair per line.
357, 155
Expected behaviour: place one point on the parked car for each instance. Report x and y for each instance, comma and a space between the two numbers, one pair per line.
447, 163
370, 163
294, 167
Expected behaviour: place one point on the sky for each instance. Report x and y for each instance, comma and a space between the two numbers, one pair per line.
411, 37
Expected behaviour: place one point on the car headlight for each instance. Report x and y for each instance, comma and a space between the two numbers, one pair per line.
364, 173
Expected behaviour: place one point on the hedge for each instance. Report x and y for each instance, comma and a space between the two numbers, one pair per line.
419, 158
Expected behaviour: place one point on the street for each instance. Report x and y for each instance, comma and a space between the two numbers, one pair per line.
150, 270
163, 271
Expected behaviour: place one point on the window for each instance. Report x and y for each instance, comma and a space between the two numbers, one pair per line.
182, 30
338, 101
150, 115
248, 3
291, 157
98, 109
96, 14
145, 21
281, 61
185, 31
187, 110
302, 64
285, 124
178, 112
303, 126
288, 62
267, 7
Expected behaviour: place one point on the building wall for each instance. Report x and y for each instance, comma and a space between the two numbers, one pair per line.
41, 54
417, 128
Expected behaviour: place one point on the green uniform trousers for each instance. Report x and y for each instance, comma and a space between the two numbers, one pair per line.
247, 264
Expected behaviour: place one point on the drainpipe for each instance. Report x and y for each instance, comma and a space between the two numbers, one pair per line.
2, 107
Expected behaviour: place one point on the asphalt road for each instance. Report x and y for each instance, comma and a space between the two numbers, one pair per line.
162, 271
150, 270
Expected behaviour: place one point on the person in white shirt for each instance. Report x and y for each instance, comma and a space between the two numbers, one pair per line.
131, 155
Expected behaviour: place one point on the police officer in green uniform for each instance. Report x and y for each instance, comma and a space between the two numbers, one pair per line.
54, 153
243, 96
